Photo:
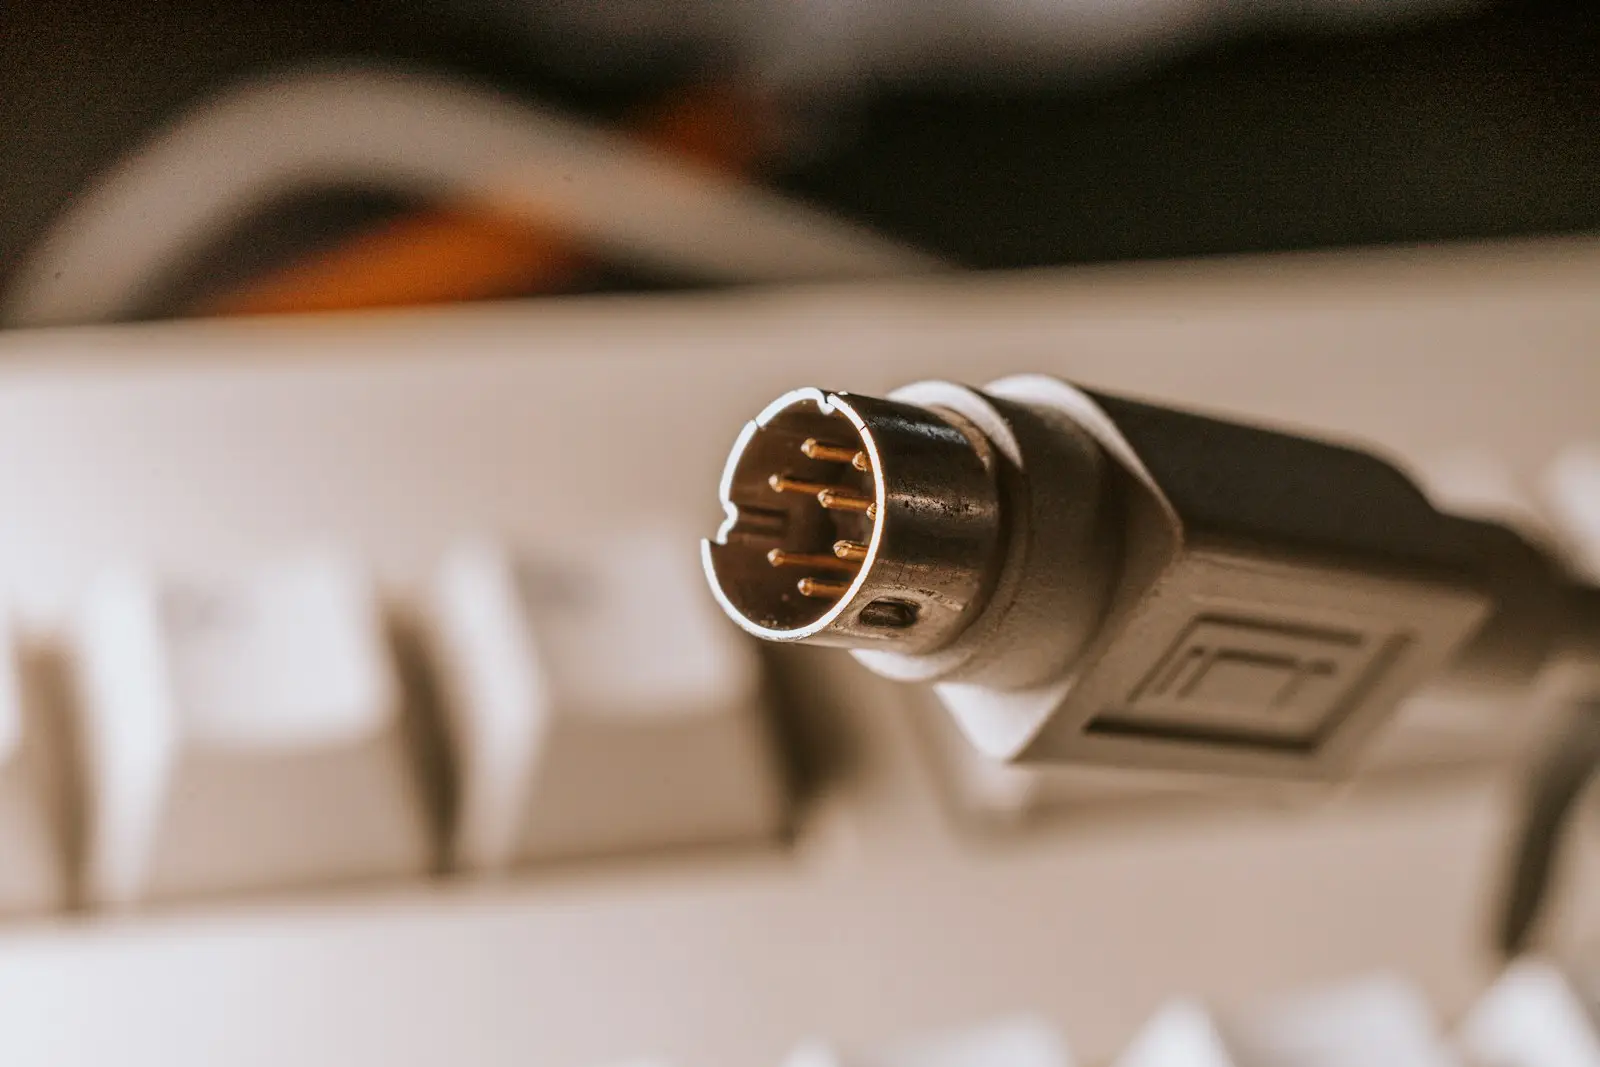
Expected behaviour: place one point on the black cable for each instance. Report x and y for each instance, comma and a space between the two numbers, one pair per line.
1559, 780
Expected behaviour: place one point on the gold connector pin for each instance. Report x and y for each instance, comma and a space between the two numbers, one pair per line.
850, 551
815, 449
780, 558
782, 483
844, 500
812, 587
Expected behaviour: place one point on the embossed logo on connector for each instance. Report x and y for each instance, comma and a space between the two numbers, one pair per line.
1253, 681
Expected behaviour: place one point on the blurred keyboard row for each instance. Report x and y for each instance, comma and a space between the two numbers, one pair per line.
298, 726
1539, 1014
289, 728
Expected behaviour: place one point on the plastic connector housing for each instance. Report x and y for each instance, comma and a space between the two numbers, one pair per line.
1154, 588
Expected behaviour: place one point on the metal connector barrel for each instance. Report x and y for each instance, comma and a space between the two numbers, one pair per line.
857, 522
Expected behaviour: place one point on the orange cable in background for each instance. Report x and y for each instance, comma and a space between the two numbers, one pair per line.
473, 252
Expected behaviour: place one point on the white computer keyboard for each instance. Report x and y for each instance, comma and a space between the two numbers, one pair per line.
365, 678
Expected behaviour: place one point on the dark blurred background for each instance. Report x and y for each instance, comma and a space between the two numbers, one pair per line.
991, 133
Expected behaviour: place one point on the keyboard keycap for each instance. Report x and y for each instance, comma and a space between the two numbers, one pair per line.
1536, 1015
1018, 1042
31, 853
242, 736
1376, 1021
599, 705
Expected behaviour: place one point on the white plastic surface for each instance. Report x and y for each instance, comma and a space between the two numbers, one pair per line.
601, 704
242, 736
